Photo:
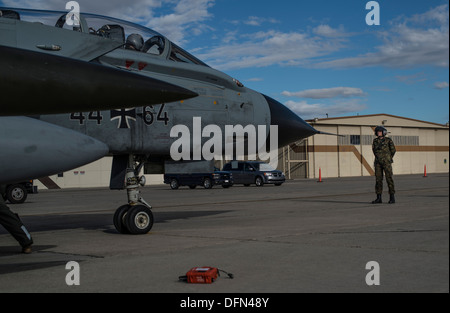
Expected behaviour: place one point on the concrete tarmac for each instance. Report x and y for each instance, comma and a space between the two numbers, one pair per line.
301, 237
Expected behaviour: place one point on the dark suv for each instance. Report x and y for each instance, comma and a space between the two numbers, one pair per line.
253, 172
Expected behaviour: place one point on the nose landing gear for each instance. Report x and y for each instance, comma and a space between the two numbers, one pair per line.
136, 217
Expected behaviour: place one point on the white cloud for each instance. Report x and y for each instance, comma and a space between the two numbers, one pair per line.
337, 92
338, 108
258, 21
255, 79
327, 31
271, 47
186, 19
420, 40
441, 85
229, 37
438, 15
254, 21
412, 79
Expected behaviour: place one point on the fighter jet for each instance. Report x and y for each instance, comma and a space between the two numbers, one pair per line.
128, 56
33, 82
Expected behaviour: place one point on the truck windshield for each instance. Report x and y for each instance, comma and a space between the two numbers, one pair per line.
265, 167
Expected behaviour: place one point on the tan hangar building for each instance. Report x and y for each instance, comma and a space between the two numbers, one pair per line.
418, 143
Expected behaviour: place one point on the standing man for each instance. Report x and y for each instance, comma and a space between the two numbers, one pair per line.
384, 150
14, 225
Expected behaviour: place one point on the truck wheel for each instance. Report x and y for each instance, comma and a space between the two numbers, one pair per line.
16, 194
259, 181
174, 184
207, 183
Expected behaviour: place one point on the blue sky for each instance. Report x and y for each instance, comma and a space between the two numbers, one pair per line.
317, 57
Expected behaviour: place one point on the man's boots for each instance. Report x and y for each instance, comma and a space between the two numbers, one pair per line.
378, 200
392, 199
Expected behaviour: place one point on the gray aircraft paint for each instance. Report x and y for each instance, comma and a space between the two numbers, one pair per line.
32, 149
137, 127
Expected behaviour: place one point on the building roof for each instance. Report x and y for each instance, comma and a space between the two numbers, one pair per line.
376, 119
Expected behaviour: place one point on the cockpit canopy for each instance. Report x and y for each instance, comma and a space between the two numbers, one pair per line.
128, 33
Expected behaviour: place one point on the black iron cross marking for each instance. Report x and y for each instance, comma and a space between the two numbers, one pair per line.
123, 115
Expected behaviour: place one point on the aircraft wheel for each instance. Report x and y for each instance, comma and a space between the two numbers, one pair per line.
119, 219
139, 220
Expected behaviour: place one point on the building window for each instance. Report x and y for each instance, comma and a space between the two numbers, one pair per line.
405, 140
355, 140
367, 140
350, 140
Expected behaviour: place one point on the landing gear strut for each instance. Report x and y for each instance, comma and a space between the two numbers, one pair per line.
135, 217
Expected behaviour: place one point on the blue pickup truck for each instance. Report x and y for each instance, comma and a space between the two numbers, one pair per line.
195, 174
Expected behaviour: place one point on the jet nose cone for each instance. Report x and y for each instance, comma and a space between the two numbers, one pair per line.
291, 127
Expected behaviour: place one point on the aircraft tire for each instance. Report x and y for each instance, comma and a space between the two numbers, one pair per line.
119, 219
139, 220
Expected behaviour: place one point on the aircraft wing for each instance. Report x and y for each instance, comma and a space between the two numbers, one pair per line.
39, 83
47, 70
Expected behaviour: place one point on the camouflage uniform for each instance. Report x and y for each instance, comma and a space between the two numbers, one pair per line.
384, 150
